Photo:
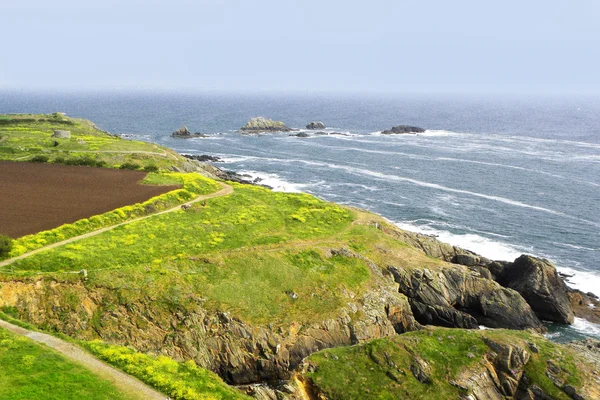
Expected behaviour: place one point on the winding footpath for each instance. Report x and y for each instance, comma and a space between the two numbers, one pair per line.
130, 386
226, 190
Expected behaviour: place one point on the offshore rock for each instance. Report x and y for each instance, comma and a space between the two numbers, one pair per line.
538, 282
315, 125
301, 135
184, 133
261, 124
402, 129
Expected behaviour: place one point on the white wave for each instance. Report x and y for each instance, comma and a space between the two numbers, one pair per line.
494, 250
274, 181
586, 281
436, 186
428, 132
393, 203
585, 327
549, 141
236, 159
387, 177
439, 132
576, 247
358, 185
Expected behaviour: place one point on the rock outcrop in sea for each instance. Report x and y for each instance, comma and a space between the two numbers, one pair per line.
314, 125
262, 124
184, 133
402, 129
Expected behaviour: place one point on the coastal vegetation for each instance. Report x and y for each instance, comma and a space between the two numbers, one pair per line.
180, 380
29, 137
439, 363
6, 245
31, 371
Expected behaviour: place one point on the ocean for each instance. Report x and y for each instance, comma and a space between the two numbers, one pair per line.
498, 175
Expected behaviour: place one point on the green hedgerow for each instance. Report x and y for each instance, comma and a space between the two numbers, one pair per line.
40, 159
131, 166
6, 244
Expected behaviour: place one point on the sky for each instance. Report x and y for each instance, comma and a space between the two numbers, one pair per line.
426, 46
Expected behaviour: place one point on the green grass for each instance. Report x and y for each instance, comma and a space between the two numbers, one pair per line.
192, 185
180, 380
247, 253
22, 137
380, 369
31, 371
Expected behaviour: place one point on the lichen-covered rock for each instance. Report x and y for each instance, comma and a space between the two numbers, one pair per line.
60, 134
457, 297
315, 125
402, 129
539, 283
261, 124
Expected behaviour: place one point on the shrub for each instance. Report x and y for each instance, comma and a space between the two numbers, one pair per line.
131, 166
59, 160
39, 159
85, 161
151, 168
6, 244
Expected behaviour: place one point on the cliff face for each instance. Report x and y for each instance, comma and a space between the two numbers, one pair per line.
239, 352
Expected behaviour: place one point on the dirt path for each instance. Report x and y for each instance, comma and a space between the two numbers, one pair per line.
226, 190
130, 386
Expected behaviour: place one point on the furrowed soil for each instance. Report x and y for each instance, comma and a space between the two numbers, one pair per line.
36, 197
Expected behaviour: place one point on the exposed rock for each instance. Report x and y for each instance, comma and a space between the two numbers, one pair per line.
60, 134
536, 280
239, 352
421, 370
261, 124
301, 135
539, 283
585, 305
314, 125
184, 133
401, 129
456, 297
589, 349
203, 158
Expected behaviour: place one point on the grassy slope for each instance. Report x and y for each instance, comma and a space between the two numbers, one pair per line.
24, 136
256, 243
380, 369
31, 371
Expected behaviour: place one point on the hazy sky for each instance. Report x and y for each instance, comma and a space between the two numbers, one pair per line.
309, 45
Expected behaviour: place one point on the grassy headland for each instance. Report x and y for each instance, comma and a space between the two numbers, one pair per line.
28, 137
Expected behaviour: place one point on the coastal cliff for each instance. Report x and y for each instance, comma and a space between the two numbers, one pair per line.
278, 292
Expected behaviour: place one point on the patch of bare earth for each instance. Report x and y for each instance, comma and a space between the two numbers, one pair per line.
36, 197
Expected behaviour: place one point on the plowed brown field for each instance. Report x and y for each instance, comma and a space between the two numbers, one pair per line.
36, 197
